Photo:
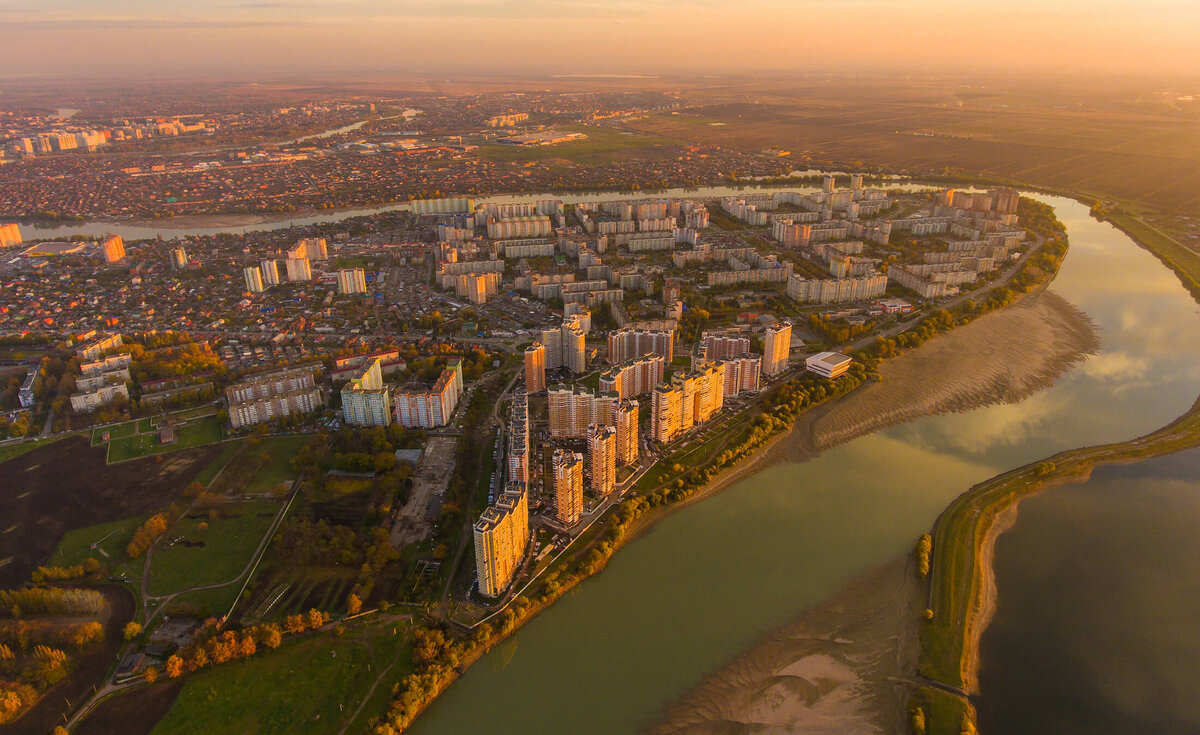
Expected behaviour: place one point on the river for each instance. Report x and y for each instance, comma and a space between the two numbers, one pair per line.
706, 583
1098, 595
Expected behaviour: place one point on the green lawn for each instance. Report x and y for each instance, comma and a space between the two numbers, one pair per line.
120, 431
206, 475
312, 686
75, 546
228, 546
279, 467
195, 434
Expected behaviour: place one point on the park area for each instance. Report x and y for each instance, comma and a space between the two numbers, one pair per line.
142, 437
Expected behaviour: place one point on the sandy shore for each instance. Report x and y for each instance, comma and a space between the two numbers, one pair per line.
847, 665
842, 668
985, 603
1001, 357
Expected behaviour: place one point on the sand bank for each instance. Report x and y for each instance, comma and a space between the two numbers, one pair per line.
847, 666
1001, 357
842, 668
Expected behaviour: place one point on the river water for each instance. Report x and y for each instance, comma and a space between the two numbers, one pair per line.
707, 582
1097, 607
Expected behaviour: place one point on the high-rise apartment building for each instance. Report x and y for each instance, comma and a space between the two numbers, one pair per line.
634, 378
565, 345
10, 234
179, 258
254, 281
535, 368
270, 273
365, 399
689, 400
518, 439
432, 407
351, 281
501, 537
568, 486
629, 343
742, 374
777, 344
114, 248
310, 248
720, 345
602, 458
625, 421
572, 410
298, 269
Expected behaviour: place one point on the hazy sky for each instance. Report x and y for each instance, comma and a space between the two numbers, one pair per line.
123, 37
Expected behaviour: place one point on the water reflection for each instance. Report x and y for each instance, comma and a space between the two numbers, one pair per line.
1098, 598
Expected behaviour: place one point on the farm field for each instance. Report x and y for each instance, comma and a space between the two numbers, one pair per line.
1133, 148
311, 686
68, 485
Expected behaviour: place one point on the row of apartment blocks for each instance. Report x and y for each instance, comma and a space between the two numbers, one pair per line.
275, 395
501, 534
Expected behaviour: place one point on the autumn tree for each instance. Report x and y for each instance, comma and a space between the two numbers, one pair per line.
132, 630
353, 604
174, 667
150, 674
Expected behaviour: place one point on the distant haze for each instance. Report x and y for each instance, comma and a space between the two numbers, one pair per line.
546, 37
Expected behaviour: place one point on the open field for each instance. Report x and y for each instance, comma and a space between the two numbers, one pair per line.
279, 467
110, 539
67, 485
1114, 143
214, 555
196, 433
310, 686
228, 450
16, 449
602, 145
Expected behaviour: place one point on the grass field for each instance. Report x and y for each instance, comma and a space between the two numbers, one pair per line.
195, 434
206, 475
16, 449
312, 686
76, 546
602, 145
229, 542
279, 467
119, 431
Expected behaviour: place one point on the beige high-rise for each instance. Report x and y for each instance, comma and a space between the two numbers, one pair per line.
568, 487
777, 343
535, 368
602, 458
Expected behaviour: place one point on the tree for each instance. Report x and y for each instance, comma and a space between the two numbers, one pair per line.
315, 618
150, 674
174, 667
132, 630
353, 604
271, 636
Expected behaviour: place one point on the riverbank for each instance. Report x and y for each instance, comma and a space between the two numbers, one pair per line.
1002, 357
842, 667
